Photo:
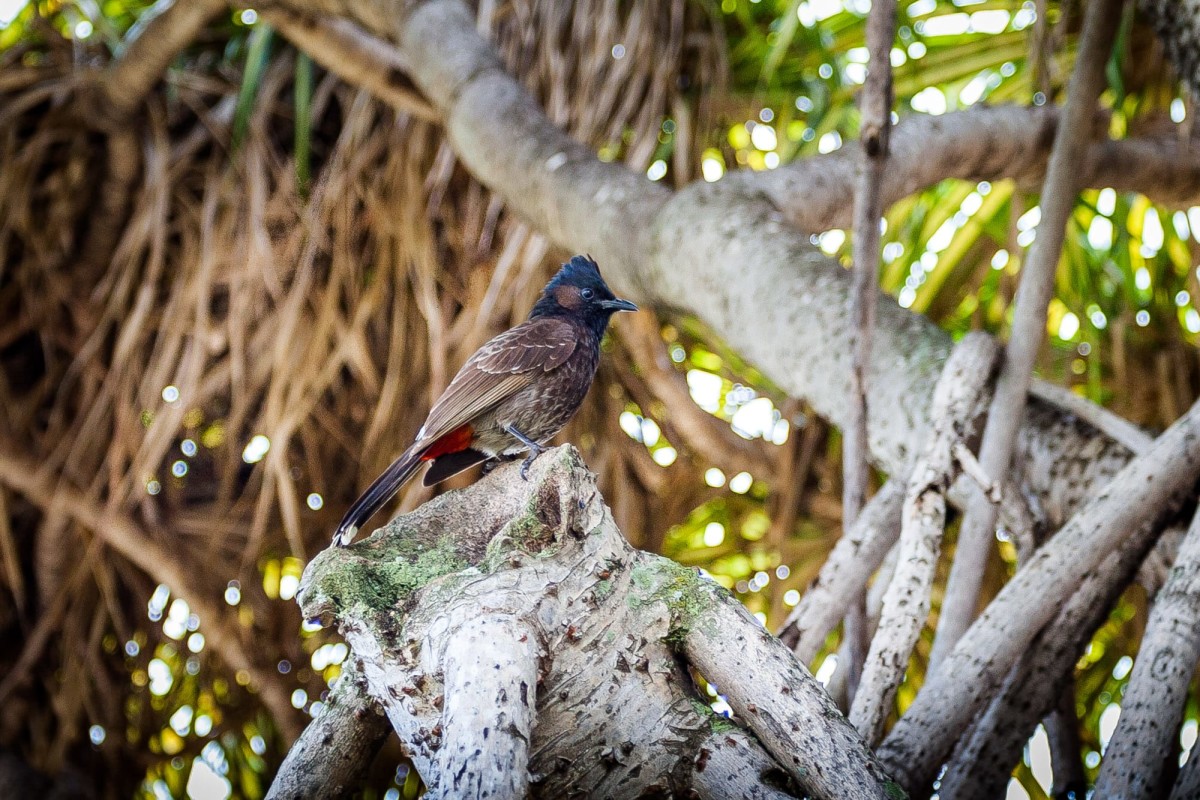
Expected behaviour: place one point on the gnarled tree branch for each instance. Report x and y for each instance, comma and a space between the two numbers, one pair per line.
581, 683
1125, 514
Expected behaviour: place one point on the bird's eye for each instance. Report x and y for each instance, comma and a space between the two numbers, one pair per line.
588, 294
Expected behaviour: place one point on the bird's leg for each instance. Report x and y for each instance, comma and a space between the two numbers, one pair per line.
535, 449
496, 461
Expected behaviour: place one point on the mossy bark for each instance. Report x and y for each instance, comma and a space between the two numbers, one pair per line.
519, 645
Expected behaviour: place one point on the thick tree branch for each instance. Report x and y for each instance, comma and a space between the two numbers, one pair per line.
490, 678
1126, 513
335, 750
1061, 188
1154, 699
984, 143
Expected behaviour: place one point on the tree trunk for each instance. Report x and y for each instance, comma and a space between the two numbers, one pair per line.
517, 643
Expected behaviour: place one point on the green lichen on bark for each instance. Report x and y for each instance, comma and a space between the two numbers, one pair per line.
527, 534
717, 723
688, 597
338, 580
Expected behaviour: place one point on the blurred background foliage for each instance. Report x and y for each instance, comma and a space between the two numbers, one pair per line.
341, 265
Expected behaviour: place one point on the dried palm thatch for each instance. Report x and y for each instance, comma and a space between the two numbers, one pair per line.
237, 302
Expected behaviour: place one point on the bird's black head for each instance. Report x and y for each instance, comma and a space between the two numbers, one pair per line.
579, 292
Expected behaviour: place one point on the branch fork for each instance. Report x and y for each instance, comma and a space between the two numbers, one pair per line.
512, 637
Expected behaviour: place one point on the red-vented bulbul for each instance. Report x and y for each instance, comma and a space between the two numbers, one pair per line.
513, 394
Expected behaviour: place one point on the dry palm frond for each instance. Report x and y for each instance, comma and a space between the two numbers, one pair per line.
234, 306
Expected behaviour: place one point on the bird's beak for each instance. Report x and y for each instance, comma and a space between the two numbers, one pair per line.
617, 305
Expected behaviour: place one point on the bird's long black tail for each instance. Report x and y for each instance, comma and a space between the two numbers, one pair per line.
376, 496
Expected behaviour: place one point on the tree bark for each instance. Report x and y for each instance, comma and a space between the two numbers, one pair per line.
517, 642
1126, 513
1158, 687
956, 401
1059, 193
336, 749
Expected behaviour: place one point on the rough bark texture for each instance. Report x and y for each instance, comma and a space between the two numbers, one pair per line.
1177, 23
1059, 193
335, 750
1154, 699
957, 399
982, 764
1126, 512
509, 630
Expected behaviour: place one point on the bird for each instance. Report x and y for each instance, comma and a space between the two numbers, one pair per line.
513, 395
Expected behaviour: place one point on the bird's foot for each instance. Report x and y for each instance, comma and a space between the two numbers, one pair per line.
534, 452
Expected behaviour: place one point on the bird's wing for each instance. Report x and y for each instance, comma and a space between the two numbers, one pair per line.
498, 370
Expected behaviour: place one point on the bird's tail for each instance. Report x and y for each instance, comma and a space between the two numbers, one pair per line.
377, 495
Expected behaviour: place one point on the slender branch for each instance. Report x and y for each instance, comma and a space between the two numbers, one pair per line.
162, 31
907, 599
333, 754
1125, 513
875, 109
1029, 324
857, 554
1153, 702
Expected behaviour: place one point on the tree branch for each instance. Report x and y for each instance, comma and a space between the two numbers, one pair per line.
956, 401
162, 31
1059, 193
983, 143
335, 750
844, 575
1033, 689
1154, 699
777, 698
875, 108
355, 56
1126, 513
490, 678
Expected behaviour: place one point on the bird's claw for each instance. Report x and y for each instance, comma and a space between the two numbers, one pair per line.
525, 465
